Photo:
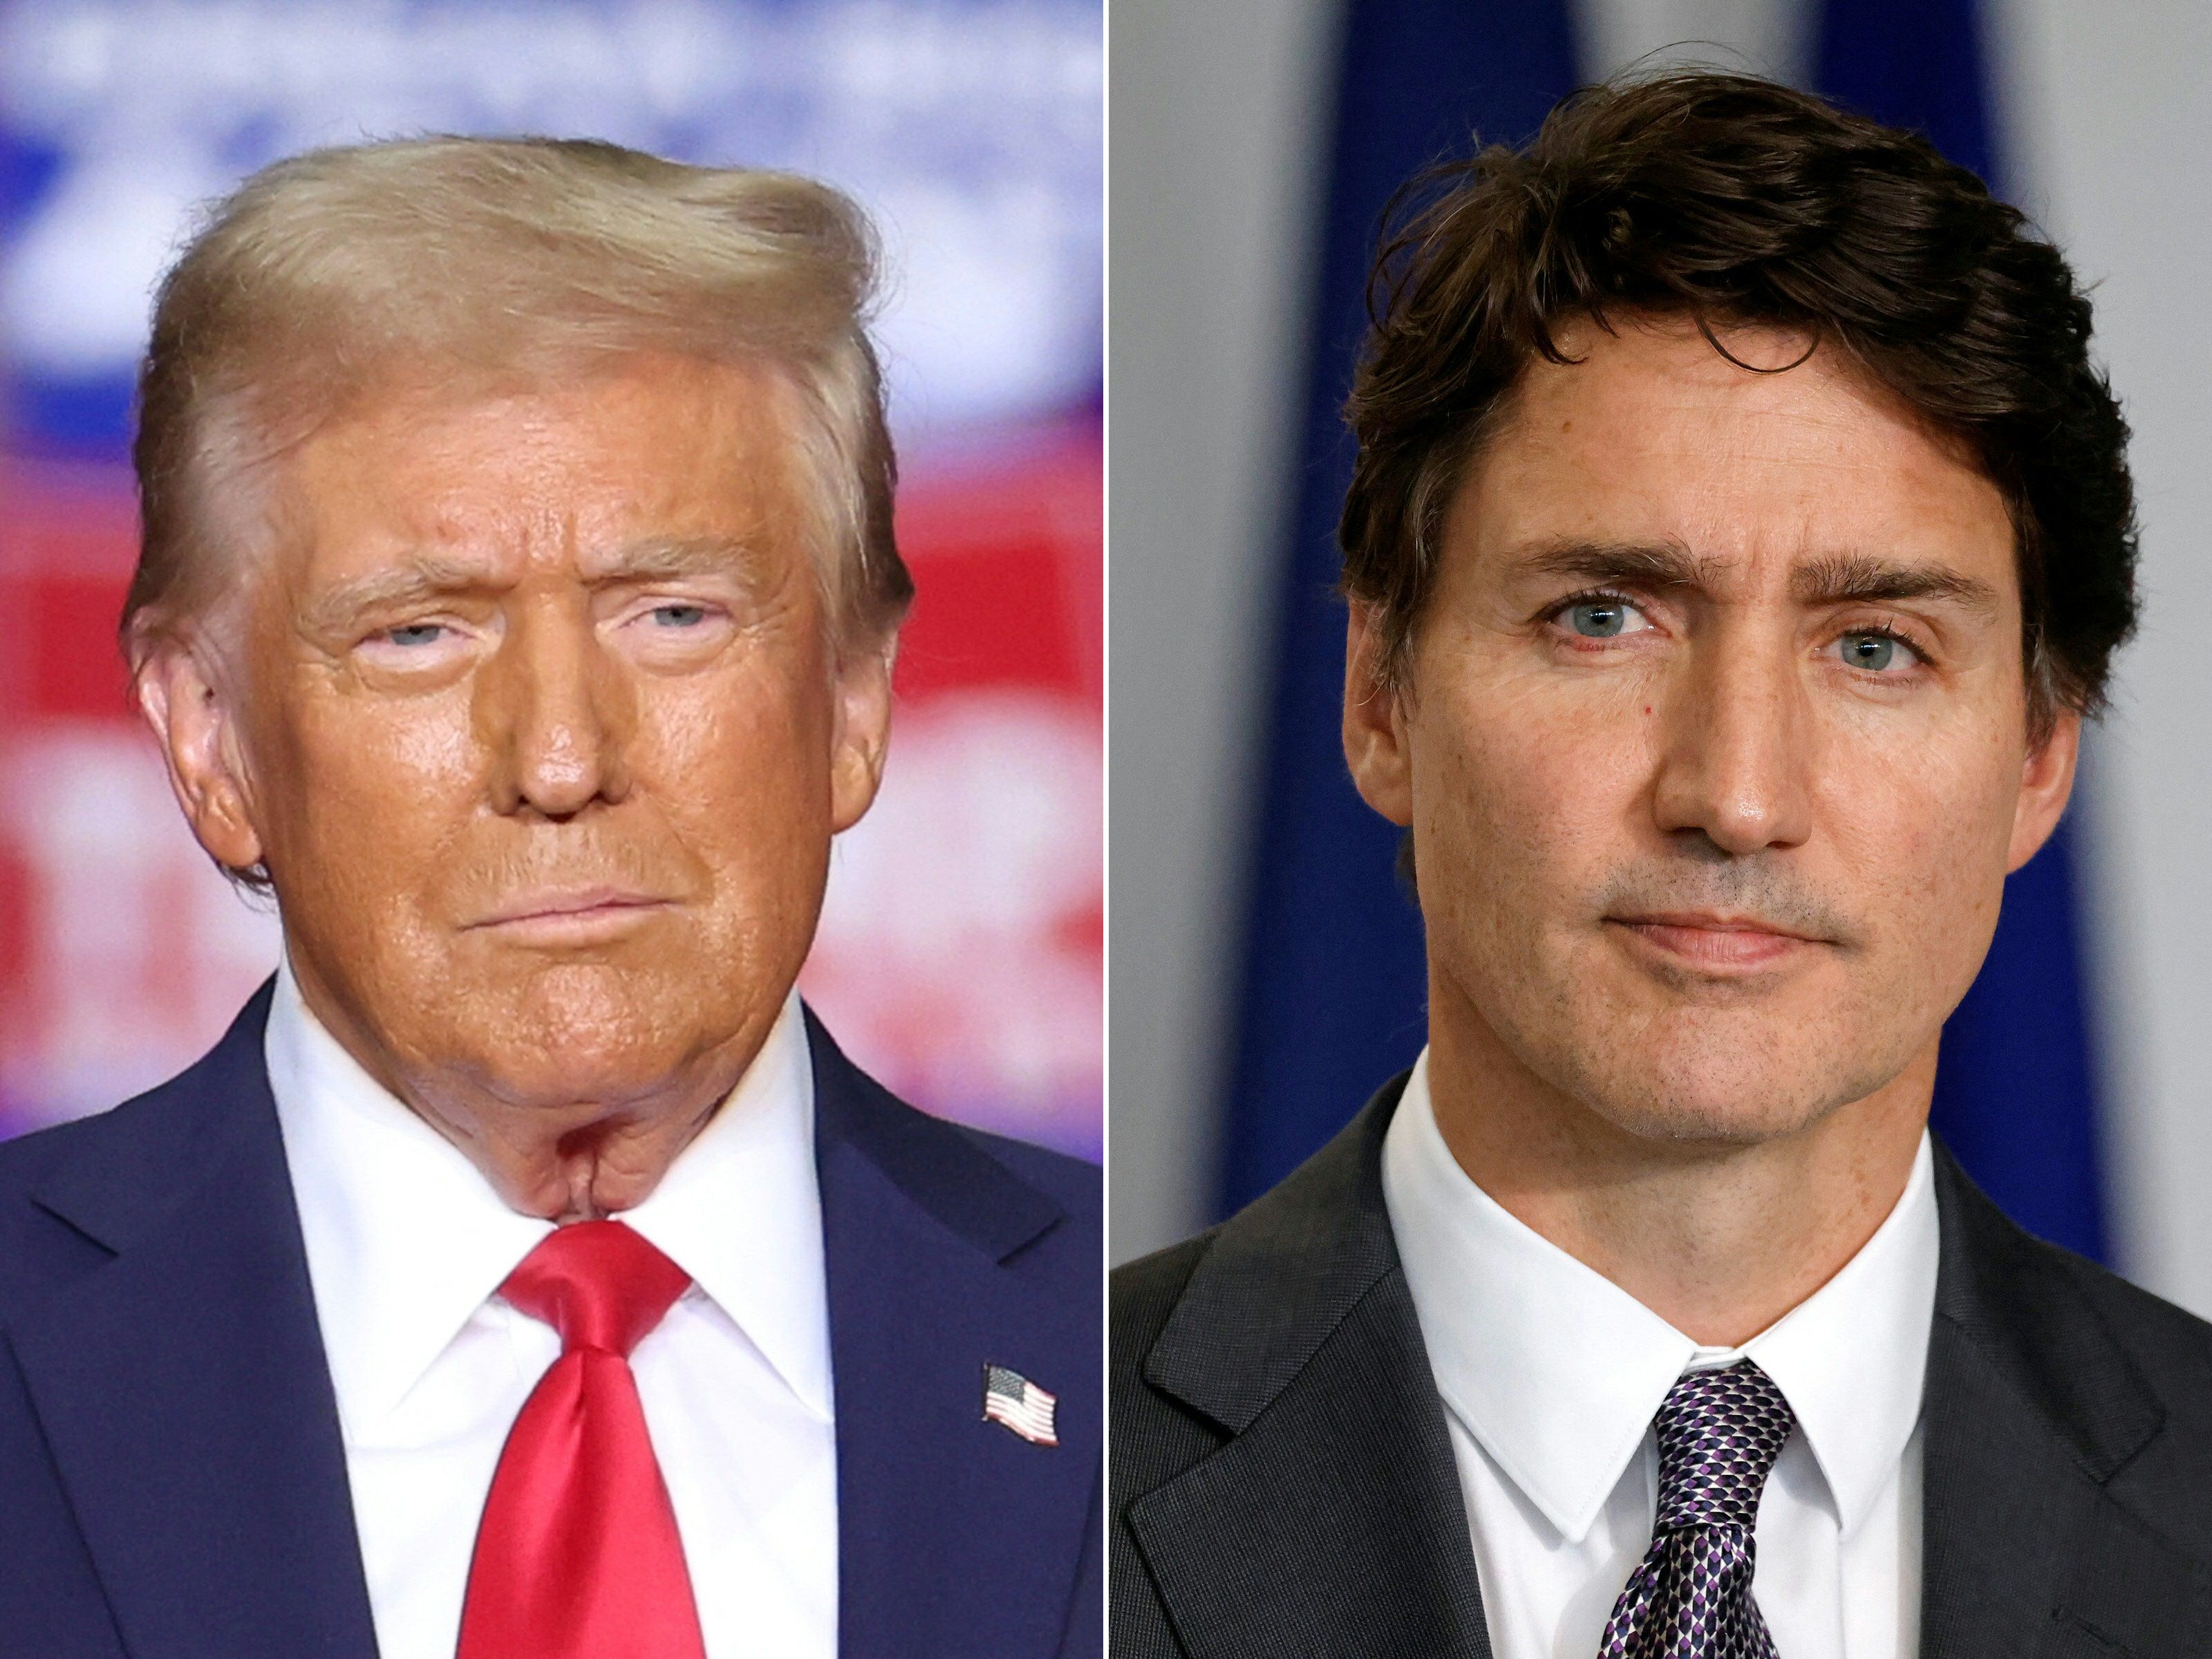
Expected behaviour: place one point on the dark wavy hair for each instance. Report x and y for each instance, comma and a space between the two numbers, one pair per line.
1734, 200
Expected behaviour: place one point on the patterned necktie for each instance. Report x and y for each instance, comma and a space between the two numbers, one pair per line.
578, 1555
1690, 1597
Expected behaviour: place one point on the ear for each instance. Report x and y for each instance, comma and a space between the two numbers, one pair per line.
2046, 781
863, 690
182, 698
1374, 723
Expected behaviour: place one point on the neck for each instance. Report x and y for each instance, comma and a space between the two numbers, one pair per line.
564, 1160
1720, 1237
575, 1161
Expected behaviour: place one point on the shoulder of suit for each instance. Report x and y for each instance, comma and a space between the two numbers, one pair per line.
1275, 1279
2172, 1346
37, 1247
2038, 1290
1076, 1184
1026, 1203
2126, 1373
1144, 1292
26, 1160
1068, 1254
1152, 1437
2162, 1481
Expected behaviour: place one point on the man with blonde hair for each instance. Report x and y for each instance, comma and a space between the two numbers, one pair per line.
526, 1273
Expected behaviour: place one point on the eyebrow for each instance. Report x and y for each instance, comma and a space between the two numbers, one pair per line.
1641, 564
434, 575
660, 558
427, 575
1862, 578
1830, 580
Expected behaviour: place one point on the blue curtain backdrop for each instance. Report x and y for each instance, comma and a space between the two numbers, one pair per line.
1332, 989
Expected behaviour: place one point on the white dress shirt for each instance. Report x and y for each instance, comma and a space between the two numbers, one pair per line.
407, 1246
1551, 1375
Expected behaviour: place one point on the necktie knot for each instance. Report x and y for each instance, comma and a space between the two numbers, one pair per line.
598, 1283
1690, 1598
1719, 1433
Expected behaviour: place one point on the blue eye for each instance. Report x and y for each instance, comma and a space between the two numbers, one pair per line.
415, 633
1872, 652
1597, 619
679, 616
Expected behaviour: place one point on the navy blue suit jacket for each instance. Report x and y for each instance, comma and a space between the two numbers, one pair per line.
172, 1481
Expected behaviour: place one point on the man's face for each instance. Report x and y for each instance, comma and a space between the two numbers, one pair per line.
1713, 738
542, 734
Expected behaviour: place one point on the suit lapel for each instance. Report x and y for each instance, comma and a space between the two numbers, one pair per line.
935, 1504
2032, 1408
182, 1385
1297, 1337
1331, 1522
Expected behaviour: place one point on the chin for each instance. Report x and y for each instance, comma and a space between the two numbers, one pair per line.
1746, 1093
594, 1032
577, 1075
1737, 1064
1694, 1115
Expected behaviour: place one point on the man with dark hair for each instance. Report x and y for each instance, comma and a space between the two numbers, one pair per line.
1740, 535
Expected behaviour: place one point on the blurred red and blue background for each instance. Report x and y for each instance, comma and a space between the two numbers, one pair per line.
960, 954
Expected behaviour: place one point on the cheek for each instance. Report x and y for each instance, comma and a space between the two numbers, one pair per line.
1923, 828
742, 765
396, 780
1519, 787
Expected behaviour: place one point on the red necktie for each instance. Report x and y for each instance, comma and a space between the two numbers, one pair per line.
578, 1557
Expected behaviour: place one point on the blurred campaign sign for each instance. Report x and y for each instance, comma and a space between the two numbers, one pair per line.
960, 950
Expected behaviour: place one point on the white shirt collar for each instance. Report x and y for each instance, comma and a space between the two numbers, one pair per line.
406, 1240
1558, 1372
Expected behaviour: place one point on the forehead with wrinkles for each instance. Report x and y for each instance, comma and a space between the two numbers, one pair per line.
671, 470
1655, 460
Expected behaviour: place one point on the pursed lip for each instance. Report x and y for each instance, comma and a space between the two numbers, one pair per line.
1717, 938
555, 906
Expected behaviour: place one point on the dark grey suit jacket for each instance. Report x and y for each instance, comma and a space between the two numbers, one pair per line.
1282, 1483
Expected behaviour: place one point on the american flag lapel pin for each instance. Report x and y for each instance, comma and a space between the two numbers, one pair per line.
1013, 1401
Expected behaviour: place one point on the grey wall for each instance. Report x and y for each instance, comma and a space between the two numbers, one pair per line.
1213, 159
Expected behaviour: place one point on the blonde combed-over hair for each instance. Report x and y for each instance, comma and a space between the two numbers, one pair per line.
498, 263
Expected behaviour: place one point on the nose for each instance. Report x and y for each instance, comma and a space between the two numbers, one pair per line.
1736, 762
555, 716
